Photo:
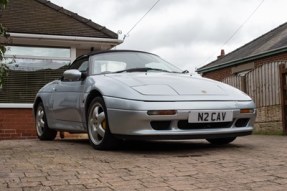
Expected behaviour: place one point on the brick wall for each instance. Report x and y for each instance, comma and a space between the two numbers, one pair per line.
278, 57
220, 74
269, 120
20, 124
17, 124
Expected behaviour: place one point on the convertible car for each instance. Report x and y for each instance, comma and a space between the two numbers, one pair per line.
121, 94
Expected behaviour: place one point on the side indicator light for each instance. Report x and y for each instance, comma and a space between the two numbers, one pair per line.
246, 110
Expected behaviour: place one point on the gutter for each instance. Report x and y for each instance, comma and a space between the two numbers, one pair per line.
243, 60
59, 37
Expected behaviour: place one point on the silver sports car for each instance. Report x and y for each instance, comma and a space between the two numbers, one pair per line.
117, 95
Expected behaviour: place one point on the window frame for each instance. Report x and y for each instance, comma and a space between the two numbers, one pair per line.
28, 104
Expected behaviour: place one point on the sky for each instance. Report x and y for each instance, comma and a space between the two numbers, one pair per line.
187, 33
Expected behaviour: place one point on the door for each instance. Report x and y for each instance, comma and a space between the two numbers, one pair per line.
67, 98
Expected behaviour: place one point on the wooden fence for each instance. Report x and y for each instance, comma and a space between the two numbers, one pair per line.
283, 84
262, 84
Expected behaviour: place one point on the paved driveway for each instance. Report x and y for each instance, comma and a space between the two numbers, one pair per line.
250, 163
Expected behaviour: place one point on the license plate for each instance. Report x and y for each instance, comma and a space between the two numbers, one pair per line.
210, 116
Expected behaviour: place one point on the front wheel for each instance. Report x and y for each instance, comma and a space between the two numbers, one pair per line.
43, 131
99, 133
221, 141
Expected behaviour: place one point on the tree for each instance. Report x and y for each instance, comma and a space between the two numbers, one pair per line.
3, 33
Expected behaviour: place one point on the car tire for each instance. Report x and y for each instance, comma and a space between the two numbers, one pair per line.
44, 133
99, 133
221, 141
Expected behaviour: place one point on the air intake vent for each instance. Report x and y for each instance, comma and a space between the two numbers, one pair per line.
160, 125
183, 124
242, 122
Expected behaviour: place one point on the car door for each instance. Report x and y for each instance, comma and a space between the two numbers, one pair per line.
67, 98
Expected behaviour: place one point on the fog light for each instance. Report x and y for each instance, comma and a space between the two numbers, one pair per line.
161, 112
246, 110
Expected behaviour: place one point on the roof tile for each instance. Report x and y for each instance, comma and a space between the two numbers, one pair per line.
270, 41
44, 17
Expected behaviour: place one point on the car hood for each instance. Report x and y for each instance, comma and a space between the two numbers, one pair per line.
179, 85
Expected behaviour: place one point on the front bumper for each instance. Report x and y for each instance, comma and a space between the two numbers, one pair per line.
129, 118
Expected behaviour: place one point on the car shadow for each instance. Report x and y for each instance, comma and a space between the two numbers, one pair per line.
182, 148
155, 147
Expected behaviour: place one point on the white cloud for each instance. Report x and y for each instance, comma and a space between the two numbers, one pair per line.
189, 33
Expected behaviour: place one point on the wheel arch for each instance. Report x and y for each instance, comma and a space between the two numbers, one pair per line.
108, 141
36, 103
89, 99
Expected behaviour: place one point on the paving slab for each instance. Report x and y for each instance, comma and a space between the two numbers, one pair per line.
253, 162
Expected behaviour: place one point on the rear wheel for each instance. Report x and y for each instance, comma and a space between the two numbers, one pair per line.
99, 133
221, 141
43, 131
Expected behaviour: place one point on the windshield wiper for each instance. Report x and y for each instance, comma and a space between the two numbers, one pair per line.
142, 70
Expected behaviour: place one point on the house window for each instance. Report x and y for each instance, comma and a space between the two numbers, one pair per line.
38, 51
36, 58
29, 69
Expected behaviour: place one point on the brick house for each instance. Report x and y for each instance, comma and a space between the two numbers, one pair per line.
254, 68
44, 40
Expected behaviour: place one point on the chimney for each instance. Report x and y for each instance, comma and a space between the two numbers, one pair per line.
222, 54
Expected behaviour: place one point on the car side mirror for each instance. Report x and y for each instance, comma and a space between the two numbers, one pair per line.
72, 75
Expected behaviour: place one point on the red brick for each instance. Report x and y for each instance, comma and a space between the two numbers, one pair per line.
9, 131
17, 124
220, 74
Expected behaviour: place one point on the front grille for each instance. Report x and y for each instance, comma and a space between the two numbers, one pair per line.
183, 124
160, 125
242, 122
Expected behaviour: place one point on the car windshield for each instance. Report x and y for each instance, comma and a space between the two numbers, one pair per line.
118, 62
